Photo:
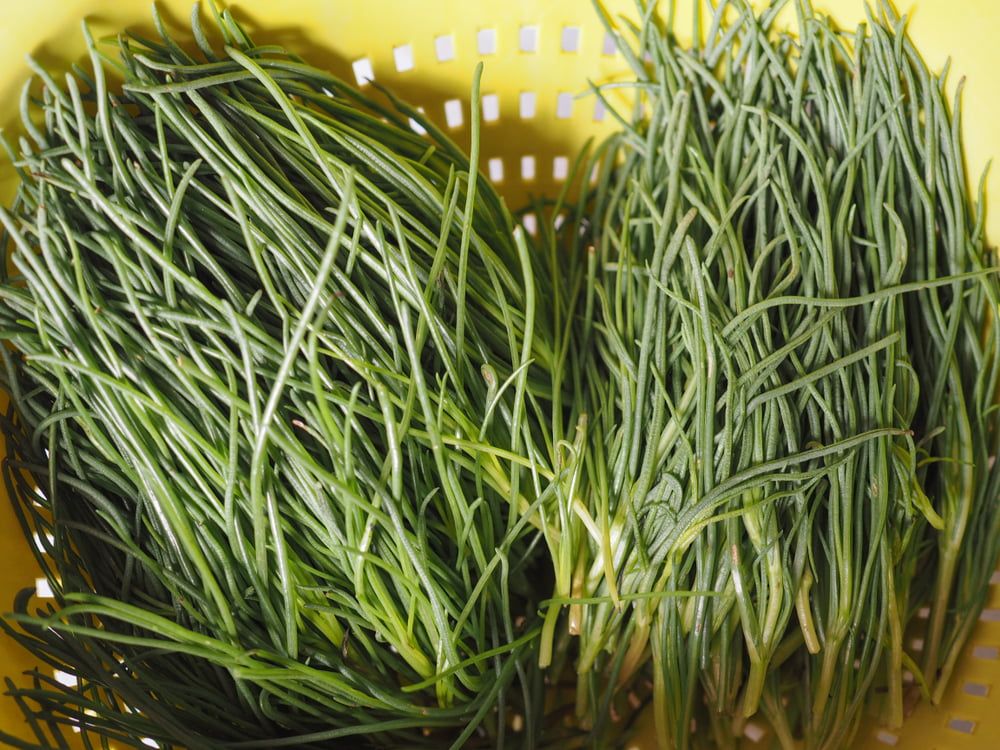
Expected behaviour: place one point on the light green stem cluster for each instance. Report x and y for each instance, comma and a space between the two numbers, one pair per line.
791, 373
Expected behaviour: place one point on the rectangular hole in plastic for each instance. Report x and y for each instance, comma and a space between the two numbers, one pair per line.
444, 48
527, 168
560, 168
599, 110
986, 652
530, 224
977, 689
965, 726
527, 105
403, 57
610, 46
363, 72
887, 738
42, 589
571, 39
495, 167
527, 39
453, 113
990, 615
491, 107
995, 578
917, 644
924, 612
65, 678
486, 41
753, 731
564, 105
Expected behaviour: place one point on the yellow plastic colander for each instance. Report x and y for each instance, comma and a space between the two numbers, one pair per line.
539, 56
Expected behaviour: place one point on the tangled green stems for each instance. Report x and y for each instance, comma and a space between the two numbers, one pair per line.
303, 409
786, 333
283, 380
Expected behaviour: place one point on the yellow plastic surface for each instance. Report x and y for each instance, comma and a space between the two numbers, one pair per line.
338, 33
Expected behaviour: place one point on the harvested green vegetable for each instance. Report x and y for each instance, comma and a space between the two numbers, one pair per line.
328, 455
283, 383
791, 381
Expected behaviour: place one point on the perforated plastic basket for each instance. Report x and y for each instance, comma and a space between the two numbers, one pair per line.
539, 56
